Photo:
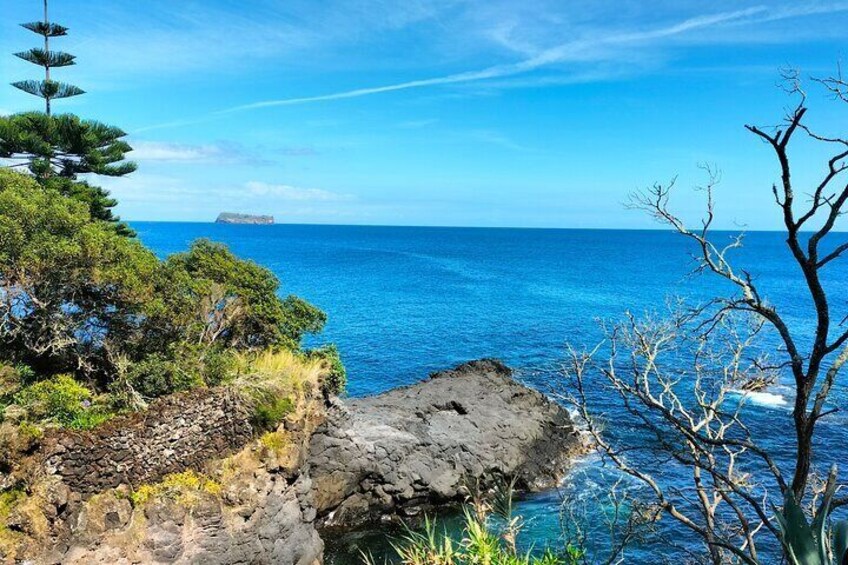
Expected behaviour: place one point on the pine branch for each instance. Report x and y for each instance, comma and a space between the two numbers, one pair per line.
48, 89
44, 58
46, 29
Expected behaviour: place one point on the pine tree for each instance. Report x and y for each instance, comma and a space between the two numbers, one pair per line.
56, 149
48, 89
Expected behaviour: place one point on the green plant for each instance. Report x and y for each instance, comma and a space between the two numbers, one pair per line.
60, 399
63, 401
816, 543
209, 296
68, 285
47, 89
481, 540
186, 488
9, 500
268, 413
336, 380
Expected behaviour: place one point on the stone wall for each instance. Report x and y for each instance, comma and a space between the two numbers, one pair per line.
174, 434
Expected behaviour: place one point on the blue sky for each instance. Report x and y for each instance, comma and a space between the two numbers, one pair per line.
528, 113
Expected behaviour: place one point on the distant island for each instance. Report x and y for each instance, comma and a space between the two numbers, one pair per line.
233, 218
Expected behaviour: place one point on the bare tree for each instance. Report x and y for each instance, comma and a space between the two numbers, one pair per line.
692, 413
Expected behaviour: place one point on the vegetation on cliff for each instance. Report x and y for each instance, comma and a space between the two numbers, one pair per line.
91, 321
490, 535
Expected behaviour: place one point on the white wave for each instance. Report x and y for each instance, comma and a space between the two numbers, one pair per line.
762, 398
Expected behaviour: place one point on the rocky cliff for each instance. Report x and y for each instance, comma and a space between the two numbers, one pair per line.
336, 463
414, 447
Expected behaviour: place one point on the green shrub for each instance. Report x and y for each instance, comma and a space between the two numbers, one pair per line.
268, 414
336, 380
158, 374
90, 282
209, 296
63, 401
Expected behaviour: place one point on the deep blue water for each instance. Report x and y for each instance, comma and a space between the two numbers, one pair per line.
403, 302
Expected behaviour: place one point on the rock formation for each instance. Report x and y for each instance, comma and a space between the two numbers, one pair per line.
338, 463
414, 447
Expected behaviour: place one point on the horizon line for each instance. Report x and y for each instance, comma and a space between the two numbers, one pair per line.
431, 226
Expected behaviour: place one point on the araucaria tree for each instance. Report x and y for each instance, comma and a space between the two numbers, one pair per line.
57, 148
48, 89
678, 378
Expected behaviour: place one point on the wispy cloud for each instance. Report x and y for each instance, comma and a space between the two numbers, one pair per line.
288, 192
496, 138
222, 152
569, 51
299, 151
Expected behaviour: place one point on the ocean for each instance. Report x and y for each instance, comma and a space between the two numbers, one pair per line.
403, 302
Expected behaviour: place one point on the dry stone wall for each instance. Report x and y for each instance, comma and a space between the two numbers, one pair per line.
174, 434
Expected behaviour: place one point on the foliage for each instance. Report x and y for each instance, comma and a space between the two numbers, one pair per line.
269, 413
186, 488
61, 400
9, 500
64, 145
47, 89
272, 381
816, 543
68, 286
274, 441
336, 380
100, 204
77, 297
480, 543
209, 296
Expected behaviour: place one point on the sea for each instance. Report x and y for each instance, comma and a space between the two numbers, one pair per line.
403, 302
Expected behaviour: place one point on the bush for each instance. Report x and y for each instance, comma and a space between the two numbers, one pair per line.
490, 535
68, 285
269, 413
336, 380
63, 401
78, 297
209, 296
480, 542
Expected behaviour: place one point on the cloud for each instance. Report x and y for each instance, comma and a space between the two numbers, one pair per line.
299, 151
222, 152
288, 192
571, 51
496, 138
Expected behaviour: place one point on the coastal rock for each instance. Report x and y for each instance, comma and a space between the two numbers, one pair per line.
337, 463
417, 446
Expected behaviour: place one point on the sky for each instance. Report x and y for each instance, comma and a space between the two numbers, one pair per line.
529, 113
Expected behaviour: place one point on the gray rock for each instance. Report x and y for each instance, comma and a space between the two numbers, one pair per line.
419, 445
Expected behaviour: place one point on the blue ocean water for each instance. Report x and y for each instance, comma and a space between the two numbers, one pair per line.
403, 302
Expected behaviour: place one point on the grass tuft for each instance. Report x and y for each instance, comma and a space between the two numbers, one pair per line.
186, 488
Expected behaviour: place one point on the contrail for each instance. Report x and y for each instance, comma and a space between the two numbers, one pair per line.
558, 54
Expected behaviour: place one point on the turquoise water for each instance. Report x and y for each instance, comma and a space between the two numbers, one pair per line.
403, 302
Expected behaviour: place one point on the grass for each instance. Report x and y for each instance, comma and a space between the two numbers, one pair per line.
9, 500
186, 488
489, 537
273, 383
